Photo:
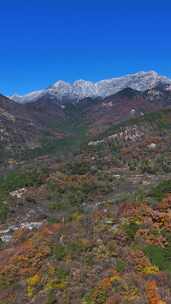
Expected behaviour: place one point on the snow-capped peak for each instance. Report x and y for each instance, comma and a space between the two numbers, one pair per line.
33, 96
80, 89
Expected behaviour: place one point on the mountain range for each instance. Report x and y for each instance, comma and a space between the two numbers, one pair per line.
80, 89
63, 117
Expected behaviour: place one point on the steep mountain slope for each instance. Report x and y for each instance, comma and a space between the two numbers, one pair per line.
66, 92
128, 103
142, 143
45, 126
16, 127
22, 127
44, 113
159, 94
92, 227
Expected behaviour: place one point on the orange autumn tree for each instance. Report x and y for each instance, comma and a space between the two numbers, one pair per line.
152, 293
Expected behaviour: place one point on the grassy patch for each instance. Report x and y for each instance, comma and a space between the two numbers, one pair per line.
161, 190
159, 256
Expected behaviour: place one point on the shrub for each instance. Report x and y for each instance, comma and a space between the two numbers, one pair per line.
3, 211
59, 252
61, 274
151, 269
77, 168
51, 299
131, 229
161, 189
32, 283
120, 265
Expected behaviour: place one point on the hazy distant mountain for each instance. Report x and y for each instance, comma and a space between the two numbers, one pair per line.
80, 89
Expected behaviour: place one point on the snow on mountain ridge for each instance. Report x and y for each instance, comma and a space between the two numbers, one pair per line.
28, 97
80, 89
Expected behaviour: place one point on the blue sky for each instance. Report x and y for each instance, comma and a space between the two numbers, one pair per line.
42, 41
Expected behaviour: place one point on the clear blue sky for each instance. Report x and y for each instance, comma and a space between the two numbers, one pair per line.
42, 41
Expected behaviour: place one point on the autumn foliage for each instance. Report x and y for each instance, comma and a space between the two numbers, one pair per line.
152, 293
